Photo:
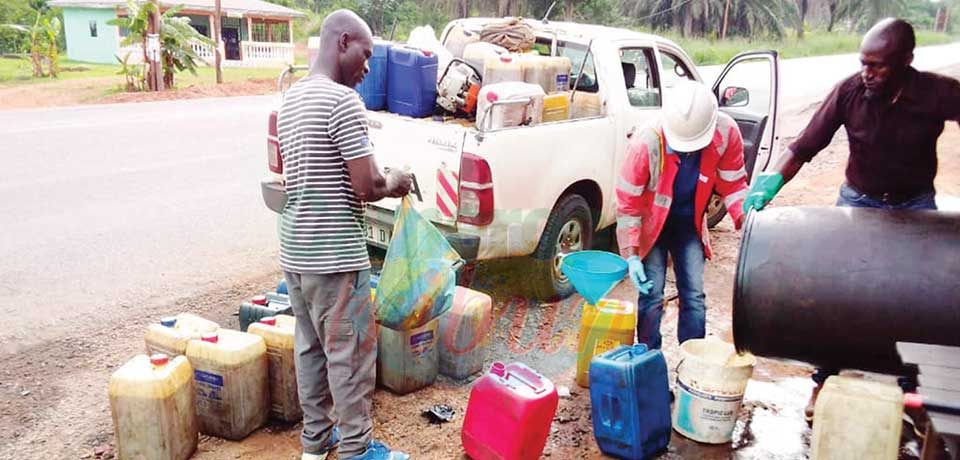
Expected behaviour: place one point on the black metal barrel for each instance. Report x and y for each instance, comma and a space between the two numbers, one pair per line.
838, 287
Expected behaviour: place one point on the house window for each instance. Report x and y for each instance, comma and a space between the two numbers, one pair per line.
93, 28
270, 31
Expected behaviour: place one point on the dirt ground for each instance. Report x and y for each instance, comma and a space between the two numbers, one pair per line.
91, 91
53, 397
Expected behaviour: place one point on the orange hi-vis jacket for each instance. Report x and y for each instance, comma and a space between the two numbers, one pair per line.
645, 185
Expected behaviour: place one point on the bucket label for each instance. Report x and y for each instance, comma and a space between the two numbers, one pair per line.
605, 345
703, 416
209, 387
563, 81
421, 343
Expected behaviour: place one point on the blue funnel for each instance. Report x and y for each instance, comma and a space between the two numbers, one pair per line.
593, 273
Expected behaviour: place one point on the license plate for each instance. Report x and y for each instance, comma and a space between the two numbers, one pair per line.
378, 235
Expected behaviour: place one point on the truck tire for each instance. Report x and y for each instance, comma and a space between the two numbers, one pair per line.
715, 210
569, 229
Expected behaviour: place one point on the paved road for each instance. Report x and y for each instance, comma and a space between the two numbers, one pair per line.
125, 204
805, 77
121, 205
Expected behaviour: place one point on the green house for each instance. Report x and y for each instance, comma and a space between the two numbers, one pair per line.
253, 32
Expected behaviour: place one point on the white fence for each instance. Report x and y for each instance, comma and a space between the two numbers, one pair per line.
252, 54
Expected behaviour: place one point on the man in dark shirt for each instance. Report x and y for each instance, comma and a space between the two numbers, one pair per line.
893, 115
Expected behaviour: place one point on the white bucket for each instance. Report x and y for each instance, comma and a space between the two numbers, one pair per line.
711, 380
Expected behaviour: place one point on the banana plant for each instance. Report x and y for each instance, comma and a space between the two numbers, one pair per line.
177, 37
43, 36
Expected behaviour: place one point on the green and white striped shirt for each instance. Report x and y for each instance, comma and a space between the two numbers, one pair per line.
321, 125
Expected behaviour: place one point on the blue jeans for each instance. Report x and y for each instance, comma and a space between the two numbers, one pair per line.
852, 198
681, 241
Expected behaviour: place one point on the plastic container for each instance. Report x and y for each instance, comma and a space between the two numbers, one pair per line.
458, 38
230, 372
552, 73
464, 333
152, 404
373, 88
604, 327
526, 109
585, 105
502, 68
261, 307
411, 81
171, 335
556, 107
630, 402
476, 54
856, 418
509, 414
278, 333
408, 360
275, 297
282, 287
711, 379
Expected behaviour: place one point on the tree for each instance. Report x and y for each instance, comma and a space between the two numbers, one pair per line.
176, 38
43, 38
802, 7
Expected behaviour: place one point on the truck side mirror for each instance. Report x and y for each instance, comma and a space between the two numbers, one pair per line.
734, 96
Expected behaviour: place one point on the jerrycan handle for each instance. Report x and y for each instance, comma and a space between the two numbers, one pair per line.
528, 378
613, 306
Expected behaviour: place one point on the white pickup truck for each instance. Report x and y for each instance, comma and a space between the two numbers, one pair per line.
541, 191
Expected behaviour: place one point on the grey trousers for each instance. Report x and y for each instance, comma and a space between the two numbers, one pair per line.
335, 354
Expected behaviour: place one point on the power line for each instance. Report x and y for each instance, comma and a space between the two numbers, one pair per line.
672, 8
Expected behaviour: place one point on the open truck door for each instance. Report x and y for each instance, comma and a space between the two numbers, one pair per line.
748, 90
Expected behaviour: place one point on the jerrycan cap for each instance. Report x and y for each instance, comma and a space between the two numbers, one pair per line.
269, 320
506, 59
498, 369
492, 97
211, 337
159, 359
168, 321
259, 300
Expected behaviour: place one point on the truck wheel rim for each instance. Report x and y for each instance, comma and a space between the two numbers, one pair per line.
714, 204
570, 239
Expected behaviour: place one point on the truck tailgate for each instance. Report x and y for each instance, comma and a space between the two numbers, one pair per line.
431, 151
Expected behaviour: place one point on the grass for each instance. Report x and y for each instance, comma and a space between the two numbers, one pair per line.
17, 70
816, 43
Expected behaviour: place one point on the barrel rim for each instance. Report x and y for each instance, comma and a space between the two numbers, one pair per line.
739, 320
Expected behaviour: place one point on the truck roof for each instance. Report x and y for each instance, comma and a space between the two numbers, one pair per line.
575, 30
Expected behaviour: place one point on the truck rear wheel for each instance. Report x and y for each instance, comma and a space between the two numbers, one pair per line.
569, 229
715, 210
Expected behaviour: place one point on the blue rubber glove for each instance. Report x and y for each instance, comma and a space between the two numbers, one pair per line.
637, 275
764, 188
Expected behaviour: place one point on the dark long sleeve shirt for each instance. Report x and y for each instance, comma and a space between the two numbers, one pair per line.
893, 144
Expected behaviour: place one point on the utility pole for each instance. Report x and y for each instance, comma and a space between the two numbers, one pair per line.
153, 51
217, 36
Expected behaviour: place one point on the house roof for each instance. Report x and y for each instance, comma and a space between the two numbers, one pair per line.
230, 8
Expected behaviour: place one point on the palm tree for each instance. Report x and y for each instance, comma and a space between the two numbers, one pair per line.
704, 17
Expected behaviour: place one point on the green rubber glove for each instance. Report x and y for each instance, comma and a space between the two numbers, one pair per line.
764, 188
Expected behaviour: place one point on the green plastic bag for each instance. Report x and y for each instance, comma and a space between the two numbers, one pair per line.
419, 273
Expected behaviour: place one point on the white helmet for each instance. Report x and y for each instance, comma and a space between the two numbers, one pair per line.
689, 116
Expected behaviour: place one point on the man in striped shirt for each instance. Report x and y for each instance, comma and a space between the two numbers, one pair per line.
330, 172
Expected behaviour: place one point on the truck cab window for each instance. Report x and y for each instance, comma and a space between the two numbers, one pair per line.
577, 53
640, 77
673, 69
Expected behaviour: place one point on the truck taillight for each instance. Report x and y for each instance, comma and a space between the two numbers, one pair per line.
273, 145
476, 190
